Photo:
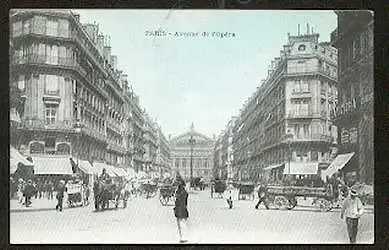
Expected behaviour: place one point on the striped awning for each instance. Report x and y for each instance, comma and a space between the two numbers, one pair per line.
45, 165
339, 162
273, 167
15, 158
86, 167
120, 172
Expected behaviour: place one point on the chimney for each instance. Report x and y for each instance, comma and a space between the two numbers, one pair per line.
298, 30
307, 28
77, 17
100, 43
107, 54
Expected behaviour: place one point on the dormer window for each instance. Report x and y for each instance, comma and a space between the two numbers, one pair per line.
301, 47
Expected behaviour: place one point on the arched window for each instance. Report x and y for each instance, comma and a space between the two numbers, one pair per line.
301, 47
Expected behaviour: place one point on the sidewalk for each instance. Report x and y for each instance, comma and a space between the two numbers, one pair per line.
43, 204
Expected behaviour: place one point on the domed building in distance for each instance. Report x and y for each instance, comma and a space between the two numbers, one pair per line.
196, 147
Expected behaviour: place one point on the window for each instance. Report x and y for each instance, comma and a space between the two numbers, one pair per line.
51, 114
301, 47
63, 26
27, 26
21, 83
17, 28
306, 130
52, 28
52, 54
51, 84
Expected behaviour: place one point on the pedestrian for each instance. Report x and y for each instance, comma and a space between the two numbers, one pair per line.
28, 192
60, 194
20, 190
228, 195
353, 210
262, 196
50, 190
180, 209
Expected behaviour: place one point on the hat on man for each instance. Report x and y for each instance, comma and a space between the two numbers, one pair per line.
353, 191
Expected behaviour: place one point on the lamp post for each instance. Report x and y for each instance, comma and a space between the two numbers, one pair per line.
77, 128
289, 138
192, 142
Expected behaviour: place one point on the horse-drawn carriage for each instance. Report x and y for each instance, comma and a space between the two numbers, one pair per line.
197, 183
108, 192
246, 191
285, 197
148, 189
218, 187
166, 194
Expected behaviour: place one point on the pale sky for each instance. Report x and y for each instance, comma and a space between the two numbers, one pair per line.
202, 80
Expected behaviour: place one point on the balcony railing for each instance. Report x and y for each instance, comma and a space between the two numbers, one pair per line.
32, 124
112, 146
306, 114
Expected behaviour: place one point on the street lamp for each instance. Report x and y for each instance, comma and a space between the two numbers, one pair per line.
289, 138
77, 128
192, 142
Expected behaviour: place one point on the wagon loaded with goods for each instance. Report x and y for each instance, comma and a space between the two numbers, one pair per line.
285, 197
246, 191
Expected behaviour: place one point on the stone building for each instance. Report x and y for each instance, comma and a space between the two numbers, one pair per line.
223, 153
287, 119
77, 101
354, 114
202, 156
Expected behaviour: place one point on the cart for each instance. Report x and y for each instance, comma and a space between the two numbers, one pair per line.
166, 194
74, 191
284, 197
246, 191
218, 187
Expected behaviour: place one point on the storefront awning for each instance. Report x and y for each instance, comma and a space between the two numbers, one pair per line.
339, 162
273, 167
86, 167
15, 158
301, 168
120, 172
45, 165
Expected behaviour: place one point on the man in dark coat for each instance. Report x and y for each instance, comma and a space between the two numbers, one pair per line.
180, 209
262, 196
28, 192
60, 194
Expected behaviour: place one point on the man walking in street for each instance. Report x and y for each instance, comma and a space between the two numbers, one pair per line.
262, 196
60, 194
353, 210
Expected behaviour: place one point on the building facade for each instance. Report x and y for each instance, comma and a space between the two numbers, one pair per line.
285, 126
201, 156
223, 153
75, 99
354, 39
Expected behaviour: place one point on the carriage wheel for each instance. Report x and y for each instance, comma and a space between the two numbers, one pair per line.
164, 200
323, 204
281, 202
292, 203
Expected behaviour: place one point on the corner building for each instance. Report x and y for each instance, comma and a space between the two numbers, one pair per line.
75, 100
295, 99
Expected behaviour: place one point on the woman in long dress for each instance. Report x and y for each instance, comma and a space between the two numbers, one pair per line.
180, 209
